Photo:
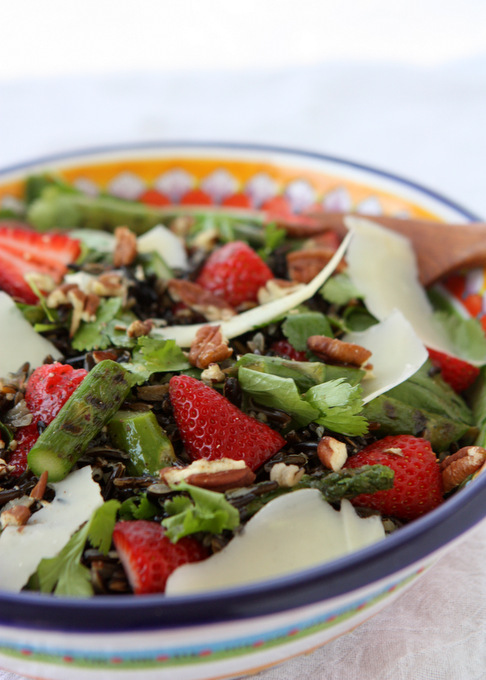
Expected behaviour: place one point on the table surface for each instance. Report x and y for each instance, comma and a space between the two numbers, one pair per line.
420, 118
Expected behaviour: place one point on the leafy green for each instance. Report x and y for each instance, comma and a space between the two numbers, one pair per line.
138, 507
64, 574
340, 290
279, 393
273, 237
202, 510
304, 373
340, 406
467, 335
155, 355
93, 334
298, 327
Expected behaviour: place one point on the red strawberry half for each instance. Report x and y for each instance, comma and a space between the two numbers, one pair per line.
458, 373
234, 272
212, 427
149, 557
23, 250
417, 487
48, 389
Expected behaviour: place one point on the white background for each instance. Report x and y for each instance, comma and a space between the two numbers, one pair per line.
399, 84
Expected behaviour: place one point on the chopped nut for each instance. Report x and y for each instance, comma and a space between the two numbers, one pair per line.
206, 239
110, 284
215, 475
138, 328
211, 306
338, 352
59, 296
16, 516
213, 374
39, 489
286, 475
209, 347
303, 265
275, 289
462, 464
332, 453
5, 468
125, 247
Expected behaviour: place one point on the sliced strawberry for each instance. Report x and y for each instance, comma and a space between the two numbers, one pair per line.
212, 427
417, 486
48, 389
284, 349
149, 557
235, 272
458, 373
23, 251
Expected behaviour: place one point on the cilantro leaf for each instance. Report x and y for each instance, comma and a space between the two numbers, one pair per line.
340, 406
154, 355
92, 335
64, 574
298, 327
138, 507
340, 290
202, 510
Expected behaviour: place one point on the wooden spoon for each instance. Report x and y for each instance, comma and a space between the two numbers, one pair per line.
441, 248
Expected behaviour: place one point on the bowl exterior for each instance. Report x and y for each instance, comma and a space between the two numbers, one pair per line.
248, 178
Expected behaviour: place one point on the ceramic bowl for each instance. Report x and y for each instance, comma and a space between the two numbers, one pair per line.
242, 630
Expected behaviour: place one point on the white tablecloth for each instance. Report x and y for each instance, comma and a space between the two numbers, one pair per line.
426, 123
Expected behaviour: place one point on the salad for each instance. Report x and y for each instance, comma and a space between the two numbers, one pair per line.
193, 399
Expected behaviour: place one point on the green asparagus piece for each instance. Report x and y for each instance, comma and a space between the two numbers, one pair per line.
140, 435
387, 415
90, 407
334, 486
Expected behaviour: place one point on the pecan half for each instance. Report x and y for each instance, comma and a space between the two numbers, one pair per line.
303, 265
215, 475
125, 247
209, 347
457, 468
138, 328
337, 351
202, 301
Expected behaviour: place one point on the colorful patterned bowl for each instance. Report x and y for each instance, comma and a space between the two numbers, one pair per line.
243, 630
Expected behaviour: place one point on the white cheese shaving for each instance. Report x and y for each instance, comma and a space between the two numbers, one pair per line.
261, 315
166, 244
18, 340
292, 532
48, 530
396, 353
382, 265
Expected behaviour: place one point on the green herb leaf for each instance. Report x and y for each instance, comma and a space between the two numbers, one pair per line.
273, 237
138, 507
340, 406
467, 335
153, 355
64, 573
298, 327
93, 335
203, 510
340, 290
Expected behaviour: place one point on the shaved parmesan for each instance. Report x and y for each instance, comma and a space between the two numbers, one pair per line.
396, 353
292, 532
261, 315
19, 341
382, 265
166, 244
48, 530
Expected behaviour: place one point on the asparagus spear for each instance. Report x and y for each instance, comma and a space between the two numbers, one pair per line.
334, 486
81, 418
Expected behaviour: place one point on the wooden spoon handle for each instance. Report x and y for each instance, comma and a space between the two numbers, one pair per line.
441, 248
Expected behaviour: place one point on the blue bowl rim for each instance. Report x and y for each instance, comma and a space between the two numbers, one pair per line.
401, 550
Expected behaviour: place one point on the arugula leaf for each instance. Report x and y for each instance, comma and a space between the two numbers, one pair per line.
64, 574
340, 406
203, 510
340, 290
279, 393
138, 507
155, 355
467, 335
298, 327
93, 334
